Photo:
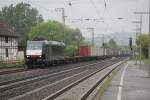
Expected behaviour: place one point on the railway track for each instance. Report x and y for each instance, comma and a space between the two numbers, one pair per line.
12, 70
44, 72
15, 82
87, 93
38, 87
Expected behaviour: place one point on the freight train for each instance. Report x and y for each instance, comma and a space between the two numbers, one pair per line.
52, 53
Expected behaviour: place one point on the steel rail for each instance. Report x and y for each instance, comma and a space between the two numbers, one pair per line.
56, 94
84, 97
21, 79
14, 83
13, 71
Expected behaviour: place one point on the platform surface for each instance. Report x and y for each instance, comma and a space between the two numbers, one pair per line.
133, 85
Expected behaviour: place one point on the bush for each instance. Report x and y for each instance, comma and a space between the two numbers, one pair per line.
70, 50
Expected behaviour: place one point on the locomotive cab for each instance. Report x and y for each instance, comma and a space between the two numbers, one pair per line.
34, 52
44, 52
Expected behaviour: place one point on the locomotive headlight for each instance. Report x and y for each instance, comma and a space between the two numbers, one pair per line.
40, 56
28, 56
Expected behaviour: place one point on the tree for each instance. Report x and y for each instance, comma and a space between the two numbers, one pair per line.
52, 30
144, 44
22, 17
105, 45
112, 43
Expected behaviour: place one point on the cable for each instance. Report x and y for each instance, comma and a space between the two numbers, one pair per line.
44, 8
106, 11
97, 11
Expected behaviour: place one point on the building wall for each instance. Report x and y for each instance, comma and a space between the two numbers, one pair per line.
8, 48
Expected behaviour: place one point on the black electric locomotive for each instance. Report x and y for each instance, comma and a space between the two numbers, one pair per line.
44, 52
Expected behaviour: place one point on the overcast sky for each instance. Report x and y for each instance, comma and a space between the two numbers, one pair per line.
93, 9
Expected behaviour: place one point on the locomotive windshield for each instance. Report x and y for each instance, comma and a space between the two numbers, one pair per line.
34, 45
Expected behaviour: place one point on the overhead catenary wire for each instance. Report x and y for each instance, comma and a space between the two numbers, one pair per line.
106, 11
67, 19
90, 19
96, 9
44, 8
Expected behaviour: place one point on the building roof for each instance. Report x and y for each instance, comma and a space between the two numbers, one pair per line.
5, 30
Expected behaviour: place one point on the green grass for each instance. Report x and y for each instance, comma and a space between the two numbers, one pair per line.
144, 59
106, 84
11, 65
103, 87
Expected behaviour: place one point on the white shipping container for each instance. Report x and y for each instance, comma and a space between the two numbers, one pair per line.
107, 52
100, 51
119, 52
96, 51
93, 51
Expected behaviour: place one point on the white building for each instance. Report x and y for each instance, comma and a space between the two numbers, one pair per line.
8, 43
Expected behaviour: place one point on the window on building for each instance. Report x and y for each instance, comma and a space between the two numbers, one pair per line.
6, 39
6, 52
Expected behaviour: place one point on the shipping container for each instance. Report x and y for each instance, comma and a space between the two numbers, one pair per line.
90, 51
96, 51
84, 51
93, 51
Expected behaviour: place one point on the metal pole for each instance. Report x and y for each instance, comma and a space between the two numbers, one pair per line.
136, 44
140, 39
138, 50
92, 36
149, 40
103, 46
63, 20
92, 30
141, 13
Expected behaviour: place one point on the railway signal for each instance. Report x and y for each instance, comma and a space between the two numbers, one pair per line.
130, 43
